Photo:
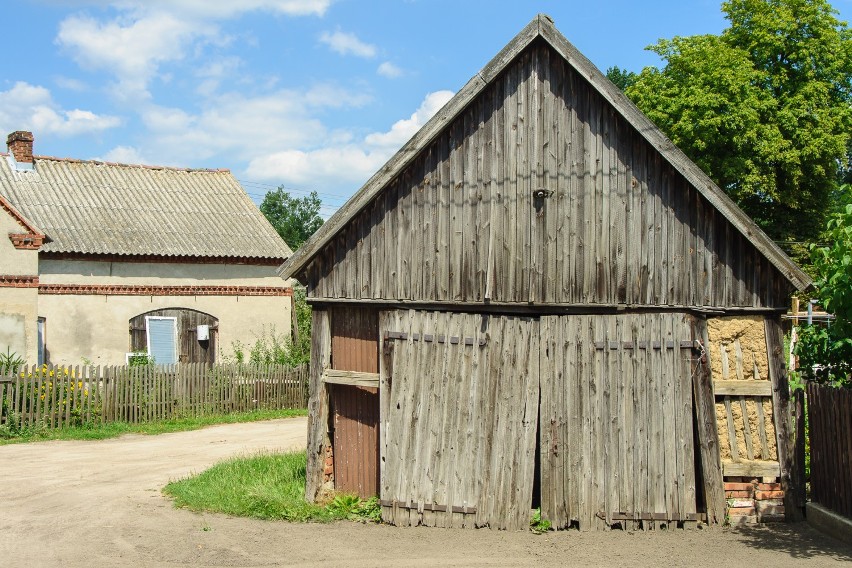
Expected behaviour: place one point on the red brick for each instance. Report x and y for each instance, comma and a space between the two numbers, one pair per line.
739, 503
738, 494
738, 486
741, 511
761, 495
769, 487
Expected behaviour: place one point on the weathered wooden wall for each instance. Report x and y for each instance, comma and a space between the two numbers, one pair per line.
618, 225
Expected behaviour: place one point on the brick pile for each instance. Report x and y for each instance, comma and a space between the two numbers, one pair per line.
753, 501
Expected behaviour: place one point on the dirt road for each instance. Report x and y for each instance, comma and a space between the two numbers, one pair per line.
98, 504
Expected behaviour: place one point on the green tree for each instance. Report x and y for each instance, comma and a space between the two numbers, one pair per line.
295, 218
825, 353
622, 78
764, 108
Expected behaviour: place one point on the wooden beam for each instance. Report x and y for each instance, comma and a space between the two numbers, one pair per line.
746, 468
781, 413
318, 404
555, 308
350, 378
708, 435
742, 388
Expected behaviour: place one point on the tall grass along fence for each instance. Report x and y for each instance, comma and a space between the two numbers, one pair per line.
830, 426
57, 396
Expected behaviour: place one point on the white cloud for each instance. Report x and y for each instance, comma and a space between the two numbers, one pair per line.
218, 9
343, 164
404, 129
70, 84
322, 167
124, 155
345, 43
30, 107
244, 126
389, 70
215, 73
131, 52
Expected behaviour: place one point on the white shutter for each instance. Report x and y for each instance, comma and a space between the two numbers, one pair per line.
162, 339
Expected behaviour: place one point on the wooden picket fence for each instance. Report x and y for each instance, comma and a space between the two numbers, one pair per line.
58, 396
830, 426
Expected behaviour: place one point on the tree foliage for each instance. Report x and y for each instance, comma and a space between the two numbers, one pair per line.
825, 353
763, 108
295, 218
622, 78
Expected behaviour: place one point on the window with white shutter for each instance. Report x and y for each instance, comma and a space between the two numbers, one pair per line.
162, 339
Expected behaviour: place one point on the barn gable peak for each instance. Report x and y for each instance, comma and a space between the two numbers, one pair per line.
542, 28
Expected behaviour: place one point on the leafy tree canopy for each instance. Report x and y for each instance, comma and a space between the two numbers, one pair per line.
622, 78
764, 108
295, 218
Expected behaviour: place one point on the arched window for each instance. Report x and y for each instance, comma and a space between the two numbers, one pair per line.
175, 335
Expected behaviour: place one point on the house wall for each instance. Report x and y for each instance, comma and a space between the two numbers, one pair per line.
617, 225
88, 311
18, 294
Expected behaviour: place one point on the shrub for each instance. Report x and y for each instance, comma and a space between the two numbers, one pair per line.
825, 353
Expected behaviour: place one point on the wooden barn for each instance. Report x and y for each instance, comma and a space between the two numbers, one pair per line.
540, 302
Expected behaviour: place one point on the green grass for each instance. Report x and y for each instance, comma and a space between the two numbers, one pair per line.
115, 429
265, 486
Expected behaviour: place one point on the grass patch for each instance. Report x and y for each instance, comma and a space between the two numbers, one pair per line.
34, 433
265, 486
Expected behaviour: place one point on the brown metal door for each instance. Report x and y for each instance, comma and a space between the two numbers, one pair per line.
355, 410
356, 439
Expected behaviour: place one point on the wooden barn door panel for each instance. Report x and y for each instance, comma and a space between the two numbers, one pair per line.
355, 410
460, 400
616, 420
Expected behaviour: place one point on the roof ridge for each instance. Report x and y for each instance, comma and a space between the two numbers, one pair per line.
124, 165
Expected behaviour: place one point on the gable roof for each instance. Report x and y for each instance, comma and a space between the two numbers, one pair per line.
91, 207
542, 28
25, 223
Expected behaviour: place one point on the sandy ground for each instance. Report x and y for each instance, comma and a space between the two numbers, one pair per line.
93, 504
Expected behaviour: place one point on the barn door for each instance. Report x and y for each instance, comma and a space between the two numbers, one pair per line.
616, 420
459, 415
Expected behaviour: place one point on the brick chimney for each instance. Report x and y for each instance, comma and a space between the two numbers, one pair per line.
20, 145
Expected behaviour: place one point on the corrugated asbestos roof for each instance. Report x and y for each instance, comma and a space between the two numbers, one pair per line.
93, 207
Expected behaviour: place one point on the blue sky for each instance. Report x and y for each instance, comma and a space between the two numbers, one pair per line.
309, 94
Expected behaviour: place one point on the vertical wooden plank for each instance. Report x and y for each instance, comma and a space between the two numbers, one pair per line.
798, 473
656, 465
498, 245
686, 404
708, 436
781, 412
670, 427
318, 403
550, 376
